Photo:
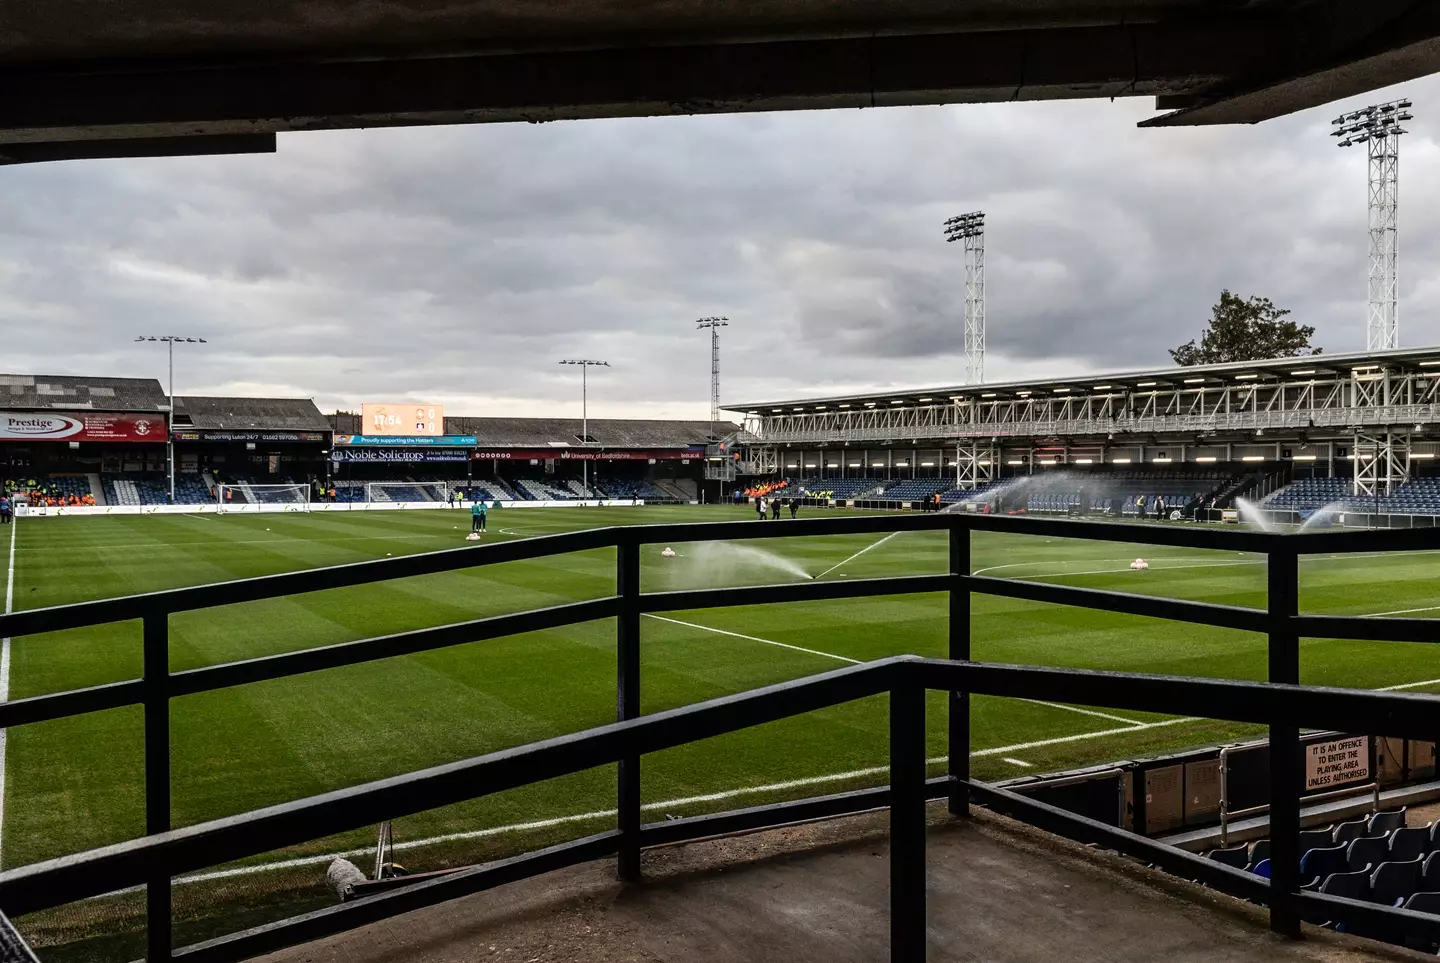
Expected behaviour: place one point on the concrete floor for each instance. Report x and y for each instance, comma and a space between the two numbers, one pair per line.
997, 891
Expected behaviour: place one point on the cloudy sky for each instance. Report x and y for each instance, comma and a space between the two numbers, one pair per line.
459, 265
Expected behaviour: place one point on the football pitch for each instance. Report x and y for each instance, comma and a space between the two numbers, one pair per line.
74, 784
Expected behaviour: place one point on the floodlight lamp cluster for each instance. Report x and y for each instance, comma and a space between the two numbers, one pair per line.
1371, 123
712, 323
585, 361
173, 338
965, 225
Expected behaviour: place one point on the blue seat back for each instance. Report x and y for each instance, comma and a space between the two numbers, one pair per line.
1393, 883
1367, 851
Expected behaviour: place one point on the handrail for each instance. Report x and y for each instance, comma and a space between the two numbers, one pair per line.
1284, 706
66, 879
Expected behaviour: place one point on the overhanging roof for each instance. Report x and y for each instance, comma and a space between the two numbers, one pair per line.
287, 414
81, 393
93, 79
1320, 367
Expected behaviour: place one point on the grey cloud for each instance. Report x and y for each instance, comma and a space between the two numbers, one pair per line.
463, 263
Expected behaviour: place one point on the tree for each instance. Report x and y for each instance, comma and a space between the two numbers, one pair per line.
1249, 329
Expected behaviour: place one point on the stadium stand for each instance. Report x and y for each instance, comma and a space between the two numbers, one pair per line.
604, 432
845, 488
1376, 859
1419, 496
914, 489
136, 488
613, 487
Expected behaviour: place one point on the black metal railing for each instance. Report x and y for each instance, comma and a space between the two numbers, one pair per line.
1281, 704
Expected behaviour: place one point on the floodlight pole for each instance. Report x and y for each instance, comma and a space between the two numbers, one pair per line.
1379, 128
585, 366
970, 229
170, 340
714, 324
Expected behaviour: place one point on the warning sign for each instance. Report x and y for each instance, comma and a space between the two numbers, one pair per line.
1336, 763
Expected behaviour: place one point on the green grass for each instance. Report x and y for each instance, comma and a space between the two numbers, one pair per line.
75, 784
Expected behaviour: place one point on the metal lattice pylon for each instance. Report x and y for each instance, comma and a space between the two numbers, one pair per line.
1383, 317
970, 228
714, 324
1378, 127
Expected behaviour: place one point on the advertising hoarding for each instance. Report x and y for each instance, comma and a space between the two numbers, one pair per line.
81, 426
444, 441
404, 418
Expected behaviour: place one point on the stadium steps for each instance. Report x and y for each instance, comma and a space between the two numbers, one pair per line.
673, 490
997, 891
97, 488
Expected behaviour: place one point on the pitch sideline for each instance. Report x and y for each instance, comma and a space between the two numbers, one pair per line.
5, 674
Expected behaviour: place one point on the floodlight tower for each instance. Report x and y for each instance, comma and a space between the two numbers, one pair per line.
970, 228
585, 366
714, 324
1379, 127
170, 341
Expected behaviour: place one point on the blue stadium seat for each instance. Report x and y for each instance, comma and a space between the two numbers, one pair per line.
1392, 883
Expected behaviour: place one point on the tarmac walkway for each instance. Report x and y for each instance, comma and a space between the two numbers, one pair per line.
997, 891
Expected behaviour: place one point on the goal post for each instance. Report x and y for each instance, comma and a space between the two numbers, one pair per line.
242, 496
407, 491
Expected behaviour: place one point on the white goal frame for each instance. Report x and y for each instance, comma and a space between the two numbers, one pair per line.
245, 500
439, 489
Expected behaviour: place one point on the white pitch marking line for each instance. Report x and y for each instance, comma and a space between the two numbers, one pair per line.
875, 544
1086, 712
5, 667
752, 638
1019, 762
1428, 608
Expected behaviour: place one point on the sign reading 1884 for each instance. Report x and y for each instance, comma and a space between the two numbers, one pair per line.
1337, 763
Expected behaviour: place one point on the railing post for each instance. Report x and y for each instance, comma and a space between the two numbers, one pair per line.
907, 822
1286, 764
627, 699
958, 735
156, 659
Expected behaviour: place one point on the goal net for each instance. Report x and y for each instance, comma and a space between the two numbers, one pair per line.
263, 498
407, 491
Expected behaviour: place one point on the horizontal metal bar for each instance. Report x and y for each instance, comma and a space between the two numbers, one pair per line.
690, 828
1312, 707
1370, 919
1368, 628
793, 592
58, 705
295, 583
337, 919
1366, 540
383, 647
1082, 829
68, 878
1152, 606
1179, 534
679, 533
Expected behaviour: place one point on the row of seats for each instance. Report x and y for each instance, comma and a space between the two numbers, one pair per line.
1419, 496
1375, 859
